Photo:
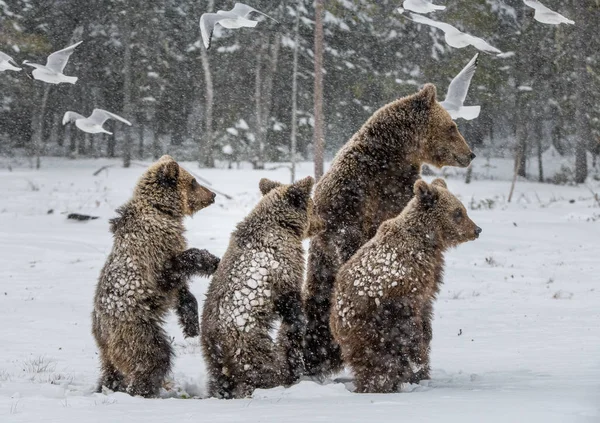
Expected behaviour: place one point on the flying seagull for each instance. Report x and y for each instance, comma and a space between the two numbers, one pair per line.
454, 37
421, 6
52, 73
92, 124
230, 19
457, 93
545, 15
5, 63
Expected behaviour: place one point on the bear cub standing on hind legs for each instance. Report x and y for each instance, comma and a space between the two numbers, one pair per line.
146, 274
383, 299
258, 281
371, 180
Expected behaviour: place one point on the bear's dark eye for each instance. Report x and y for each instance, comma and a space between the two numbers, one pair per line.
194, 183
458, 215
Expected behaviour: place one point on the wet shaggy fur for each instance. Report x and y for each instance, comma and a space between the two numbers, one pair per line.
145, 275
258, 282
383, 297
370, 181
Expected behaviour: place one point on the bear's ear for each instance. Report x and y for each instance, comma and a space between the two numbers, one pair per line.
168, 172
299, 192
439, 182
166, 158
426, 194
429, 92
266, 185
426, 98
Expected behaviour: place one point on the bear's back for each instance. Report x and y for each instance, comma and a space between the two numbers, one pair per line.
128, 282
395, 264
249, 272
364, 186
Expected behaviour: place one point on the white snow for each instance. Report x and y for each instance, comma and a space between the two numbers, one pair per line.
516, 328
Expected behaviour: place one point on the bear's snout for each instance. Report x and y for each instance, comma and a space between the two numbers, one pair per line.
478, 231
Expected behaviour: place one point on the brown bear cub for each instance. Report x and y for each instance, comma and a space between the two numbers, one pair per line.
258, 282
370, 181
145, 275
383, 297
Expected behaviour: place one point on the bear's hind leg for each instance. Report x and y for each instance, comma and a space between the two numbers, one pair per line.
403, 331
322, 354
151, 355
220, 384
421, 366
291, 333
110, 376
256, 364
375, 365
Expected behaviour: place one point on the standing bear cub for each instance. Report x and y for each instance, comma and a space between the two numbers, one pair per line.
145, 275
383, 297
370, 181
259, 281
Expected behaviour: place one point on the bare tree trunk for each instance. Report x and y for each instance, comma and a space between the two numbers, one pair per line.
521, 138
141, 141
538, 135
267, 93
54, 137
294, 134
258, 161
111, 144
127, 86
318, 136
37, 124
469, 175
72, 141
154, 139
206, 158
514, 181
583, 84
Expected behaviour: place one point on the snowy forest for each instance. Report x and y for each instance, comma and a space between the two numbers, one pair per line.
145, 61
157, 264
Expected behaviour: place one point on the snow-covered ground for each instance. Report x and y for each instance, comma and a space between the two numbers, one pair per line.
516, 332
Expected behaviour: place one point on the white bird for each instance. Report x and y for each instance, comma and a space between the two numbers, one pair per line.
230, 19
5, 63
545, 15
92, 124
457, 93
421, 6
52, 73
454, 37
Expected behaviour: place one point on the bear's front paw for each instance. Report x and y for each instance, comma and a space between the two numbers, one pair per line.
199, 261
191, 330
211, 263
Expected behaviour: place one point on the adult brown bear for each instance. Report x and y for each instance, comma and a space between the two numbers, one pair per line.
371, 180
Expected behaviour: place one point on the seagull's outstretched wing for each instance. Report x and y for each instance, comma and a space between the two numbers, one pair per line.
459, 87
58, 60
482, 45
421, 6
236, 22
469, 112
71, 117
99, 116
454, 37
207, 26
436, 24
243, 10
546, 15
10, 63
6, 57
